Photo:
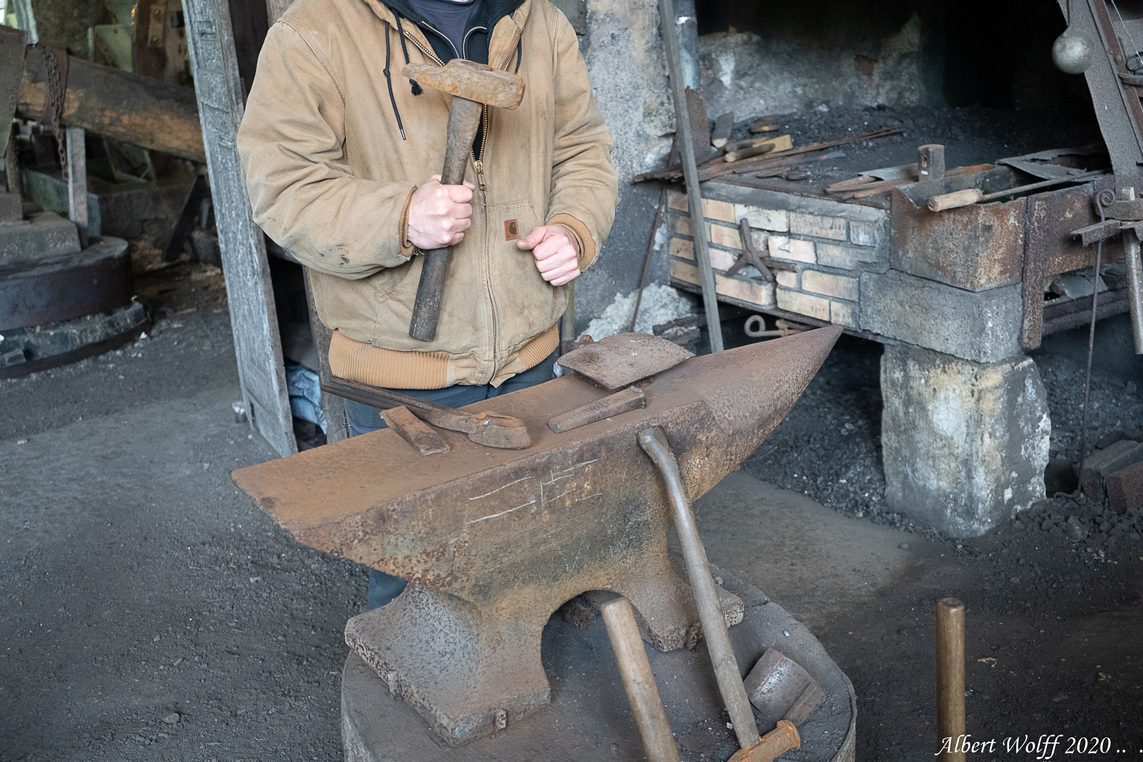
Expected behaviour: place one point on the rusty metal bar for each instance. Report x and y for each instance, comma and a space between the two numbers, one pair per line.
654, 443
950, 677
638, 681
1134, 286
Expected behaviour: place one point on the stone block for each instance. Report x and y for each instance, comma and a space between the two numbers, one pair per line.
720, 259
786, 279
982, 326
681, 225
677, 201
852, 257
718, 210
964, 444
792, 249
681, 247
685, 272
1125, 489
828, 284
818, 226
843, 313
773, 220
45, 235
803, 304
720, 235
862, 233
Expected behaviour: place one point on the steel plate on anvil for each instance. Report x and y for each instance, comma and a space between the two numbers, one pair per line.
622, 359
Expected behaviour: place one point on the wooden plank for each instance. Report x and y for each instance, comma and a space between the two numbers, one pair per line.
118, 104
253, 316
77, 181
337, 422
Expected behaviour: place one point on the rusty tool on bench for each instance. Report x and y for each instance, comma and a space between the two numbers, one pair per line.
472, 86
753, 748
970, 196
501, 431
631, 398
751, 256
638, 681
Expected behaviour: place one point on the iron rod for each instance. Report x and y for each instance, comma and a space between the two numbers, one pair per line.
1134, 286
726, 672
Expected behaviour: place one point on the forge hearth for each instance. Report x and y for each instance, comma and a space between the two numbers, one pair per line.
957, 297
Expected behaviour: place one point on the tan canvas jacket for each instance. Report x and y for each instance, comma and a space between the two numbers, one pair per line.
330, 180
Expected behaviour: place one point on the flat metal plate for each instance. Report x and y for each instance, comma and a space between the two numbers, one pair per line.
622, 359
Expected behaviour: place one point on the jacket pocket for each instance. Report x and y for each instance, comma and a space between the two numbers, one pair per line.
526, 304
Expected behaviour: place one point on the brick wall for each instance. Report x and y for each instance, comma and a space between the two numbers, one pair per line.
832, 244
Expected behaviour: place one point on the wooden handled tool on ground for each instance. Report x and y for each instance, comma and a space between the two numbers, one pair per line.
473, 86
639, 681
970, 196
501, 431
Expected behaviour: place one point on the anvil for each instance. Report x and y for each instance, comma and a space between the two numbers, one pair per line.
494, 541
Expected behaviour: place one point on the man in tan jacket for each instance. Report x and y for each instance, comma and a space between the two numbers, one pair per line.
340, 153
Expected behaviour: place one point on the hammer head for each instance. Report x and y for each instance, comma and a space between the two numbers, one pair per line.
471, 81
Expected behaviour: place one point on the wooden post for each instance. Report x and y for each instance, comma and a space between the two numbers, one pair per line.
77, 182
950, 678
253, 315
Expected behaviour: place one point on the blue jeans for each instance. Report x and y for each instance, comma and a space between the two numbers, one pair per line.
364, 419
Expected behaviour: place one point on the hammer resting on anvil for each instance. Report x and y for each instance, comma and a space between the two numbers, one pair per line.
473, 86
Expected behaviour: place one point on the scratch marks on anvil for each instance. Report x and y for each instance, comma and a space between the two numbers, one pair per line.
556, 476
506, 486
502, 513
544, 497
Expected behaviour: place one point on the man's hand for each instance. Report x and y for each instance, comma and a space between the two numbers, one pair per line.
439, 214
556, 253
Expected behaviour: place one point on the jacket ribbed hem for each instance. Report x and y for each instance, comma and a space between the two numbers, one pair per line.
388, 368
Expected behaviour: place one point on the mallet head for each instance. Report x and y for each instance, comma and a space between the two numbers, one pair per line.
469, 80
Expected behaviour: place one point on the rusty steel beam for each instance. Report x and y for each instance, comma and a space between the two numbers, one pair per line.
494, 541
135, 109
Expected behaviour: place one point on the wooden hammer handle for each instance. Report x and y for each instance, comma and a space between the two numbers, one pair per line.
463, 121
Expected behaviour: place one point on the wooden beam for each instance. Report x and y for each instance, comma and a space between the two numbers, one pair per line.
118, 104
253, 316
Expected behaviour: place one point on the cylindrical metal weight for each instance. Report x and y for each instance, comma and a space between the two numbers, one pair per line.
1134, 286
650, 717
722, 658
950, 679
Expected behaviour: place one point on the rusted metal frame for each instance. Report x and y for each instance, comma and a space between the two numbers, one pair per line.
1077, 312
1119, 112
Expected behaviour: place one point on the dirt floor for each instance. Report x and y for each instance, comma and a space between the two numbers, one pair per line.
150, 612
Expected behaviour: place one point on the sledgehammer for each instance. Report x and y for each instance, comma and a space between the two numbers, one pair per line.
472, 86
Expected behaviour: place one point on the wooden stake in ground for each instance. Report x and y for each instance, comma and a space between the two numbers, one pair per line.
950, 679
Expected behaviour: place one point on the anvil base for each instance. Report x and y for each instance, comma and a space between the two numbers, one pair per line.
589, 717
470, 673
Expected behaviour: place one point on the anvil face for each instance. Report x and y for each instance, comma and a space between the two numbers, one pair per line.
494, 541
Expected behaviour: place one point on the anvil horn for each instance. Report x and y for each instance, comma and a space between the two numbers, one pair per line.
494, 541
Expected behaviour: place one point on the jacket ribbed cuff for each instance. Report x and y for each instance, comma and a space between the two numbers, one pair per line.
579, 231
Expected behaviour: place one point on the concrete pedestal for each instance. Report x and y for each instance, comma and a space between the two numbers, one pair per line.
964, 444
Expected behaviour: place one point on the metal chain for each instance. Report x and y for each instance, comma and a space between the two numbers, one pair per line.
54, 103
